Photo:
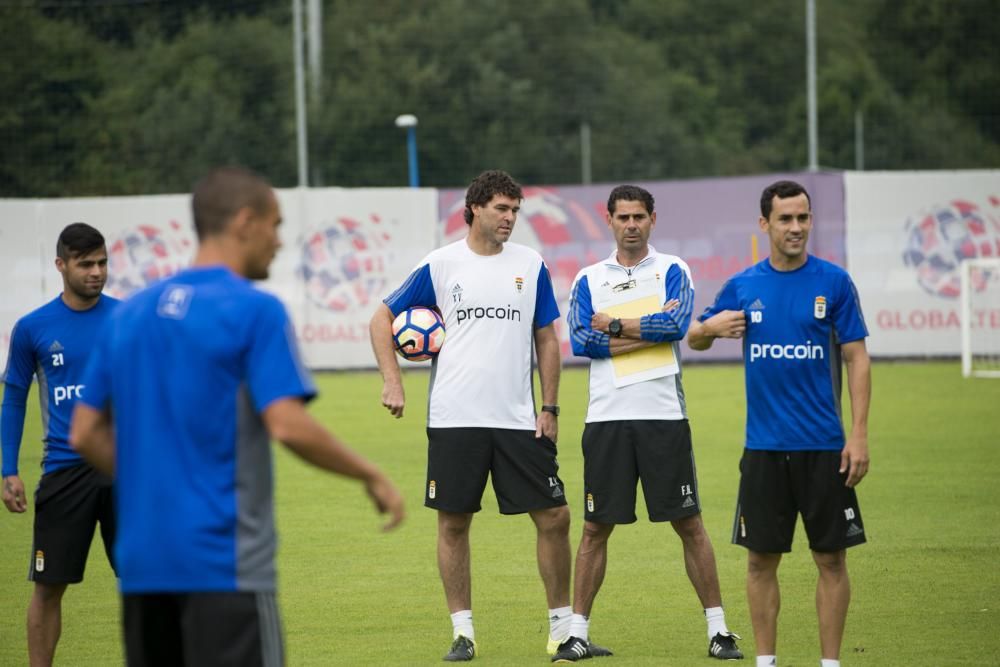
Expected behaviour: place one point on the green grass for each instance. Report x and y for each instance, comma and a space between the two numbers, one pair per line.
926, 587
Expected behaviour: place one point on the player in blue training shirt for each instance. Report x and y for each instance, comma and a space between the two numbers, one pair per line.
196, 374
498, 305
797, 315
53, 344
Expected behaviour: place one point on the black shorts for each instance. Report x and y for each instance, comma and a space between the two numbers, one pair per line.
776, 486
617, 454
523, 468
69, 503
191, 629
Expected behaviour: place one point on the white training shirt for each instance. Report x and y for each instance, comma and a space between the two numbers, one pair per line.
491, 307
662, 398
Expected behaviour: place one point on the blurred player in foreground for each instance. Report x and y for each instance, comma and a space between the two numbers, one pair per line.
191, 379
797, 315
53, 343
497, 301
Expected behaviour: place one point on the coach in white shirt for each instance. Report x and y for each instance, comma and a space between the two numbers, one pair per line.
497, 303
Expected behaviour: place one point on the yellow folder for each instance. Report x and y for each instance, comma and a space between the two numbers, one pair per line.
647, 363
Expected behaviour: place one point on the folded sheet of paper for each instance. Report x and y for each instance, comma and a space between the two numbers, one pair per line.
632, 300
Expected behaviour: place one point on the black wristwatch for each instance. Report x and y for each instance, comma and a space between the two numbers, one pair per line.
615, 327
554, 409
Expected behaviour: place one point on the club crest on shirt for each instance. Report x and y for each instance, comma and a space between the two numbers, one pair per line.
175, 301
819, 307
519, 284
456, 293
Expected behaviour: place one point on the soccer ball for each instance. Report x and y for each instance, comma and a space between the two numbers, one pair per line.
418, 333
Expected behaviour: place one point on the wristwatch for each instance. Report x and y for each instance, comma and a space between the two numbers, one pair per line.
615, 327
554, 409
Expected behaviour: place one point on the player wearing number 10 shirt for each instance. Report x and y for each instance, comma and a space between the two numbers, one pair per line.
798, 316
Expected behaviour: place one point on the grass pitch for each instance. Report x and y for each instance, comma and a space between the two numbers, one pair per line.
925, 588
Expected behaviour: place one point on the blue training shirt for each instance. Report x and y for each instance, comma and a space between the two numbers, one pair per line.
52, 344
187, 366
796, 322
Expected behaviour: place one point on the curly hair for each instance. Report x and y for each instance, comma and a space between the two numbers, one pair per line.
485, 186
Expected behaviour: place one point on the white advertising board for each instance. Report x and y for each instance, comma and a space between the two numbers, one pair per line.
906, 234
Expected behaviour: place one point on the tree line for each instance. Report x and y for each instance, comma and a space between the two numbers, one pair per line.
117, 97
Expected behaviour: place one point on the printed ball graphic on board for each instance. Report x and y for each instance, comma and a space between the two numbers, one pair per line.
937, 242
343, 263
418, 333
145, 254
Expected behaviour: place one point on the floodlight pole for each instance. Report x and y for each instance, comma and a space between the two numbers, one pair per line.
811, 83
314, 10
585, 173
409, 121
859, 140
314, 42
300, 94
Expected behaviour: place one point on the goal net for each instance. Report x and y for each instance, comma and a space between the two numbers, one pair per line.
981, 317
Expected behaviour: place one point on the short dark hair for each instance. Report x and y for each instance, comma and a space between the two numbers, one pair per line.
78, 239
781, 190
221, 193
630, 193
485, 186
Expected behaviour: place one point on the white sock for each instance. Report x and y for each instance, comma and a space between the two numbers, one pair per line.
559, 620
826, 662
461, 623
767, 661
716, 621
580, 627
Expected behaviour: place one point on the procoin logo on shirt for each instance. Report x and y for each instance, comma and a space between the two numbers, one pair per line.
489, 313
67, 392
793, 352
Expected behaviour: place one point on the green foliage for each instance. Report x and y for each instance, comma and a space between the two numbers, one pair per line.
188, 112
132, 98
43, 118
924, 587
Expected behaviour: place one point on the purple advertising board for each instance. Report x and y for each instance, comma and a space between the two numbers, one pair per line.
707, 223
